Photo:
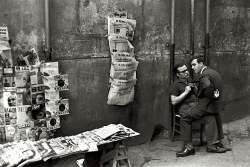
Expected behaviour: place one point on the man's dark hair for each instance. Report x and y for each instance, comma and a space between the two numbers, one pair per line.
199, 58
175, 70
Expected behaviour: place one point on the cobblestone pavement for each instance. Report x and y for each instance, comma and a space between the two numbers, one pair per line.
161, 151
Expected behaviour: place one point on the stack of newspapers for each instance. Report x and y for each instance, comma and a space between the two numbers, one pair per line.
20, 153
123, 63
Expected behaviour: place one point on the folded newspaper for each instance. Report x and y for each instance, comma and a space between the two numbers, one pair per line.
21, 153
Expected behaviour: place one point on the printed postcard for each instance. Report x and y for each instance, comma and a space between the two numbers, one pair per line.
50, 97
61, 82
2, 134
5, 55
2, 118
60, 107
49, 83
35, 75
40, 127
11, 133
10, 116
31, 57
22, 76
24, 116
53, 123
9, 99
49, 69
23, 96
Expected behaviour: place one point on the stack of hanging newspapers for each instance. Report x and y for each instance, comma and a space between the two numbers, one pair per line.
123, 62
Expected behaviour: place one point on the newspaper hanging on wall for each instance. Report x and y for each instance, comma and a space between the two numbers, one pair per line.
123, 63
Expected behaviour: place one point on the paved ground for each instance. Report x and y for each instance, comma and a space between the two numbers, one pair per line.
161, 151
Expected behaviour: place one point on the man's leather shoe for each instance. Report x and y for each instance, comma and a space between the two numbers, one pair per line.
185, 152
216, 149
222, 146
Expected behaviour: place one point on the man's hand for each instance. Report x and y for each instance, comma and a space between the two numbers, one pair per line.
188, 89
216, 93
193, 86
177, 99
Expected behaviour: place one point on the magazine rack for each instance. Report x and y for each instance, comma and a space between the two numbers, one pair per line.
116, 157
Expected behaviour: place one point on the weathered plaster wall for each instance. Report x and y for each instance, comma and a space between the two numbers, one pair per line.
229, 47
79, 41
25, 21
230, 53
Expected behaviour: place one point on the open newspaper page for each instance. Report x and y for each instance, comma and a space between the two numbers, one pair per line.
69, 146
88, 138
120, 44
43, 148
29, 153
122, 26
120, 96
10, 154
107, 131
59, 149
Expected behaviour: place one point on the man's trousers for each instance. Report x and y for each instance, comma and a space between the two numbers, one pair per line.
189, 114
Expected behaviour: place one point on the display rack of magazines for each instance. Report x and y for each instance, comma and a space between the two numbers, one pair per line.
30, 102
20, 153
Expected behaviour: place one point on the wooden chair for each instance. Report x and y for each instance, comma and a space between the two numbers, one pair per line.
176, 123
176, 126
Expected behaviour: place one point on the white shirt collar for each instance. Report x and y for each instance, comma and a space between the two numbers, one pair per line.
203, 69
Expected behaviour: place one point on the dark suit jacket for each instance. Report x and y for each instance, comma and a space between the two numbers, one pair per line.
209, 81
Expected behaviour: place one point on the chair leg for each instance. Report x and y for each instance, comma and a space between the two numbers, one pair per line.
173, 130
201, 135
